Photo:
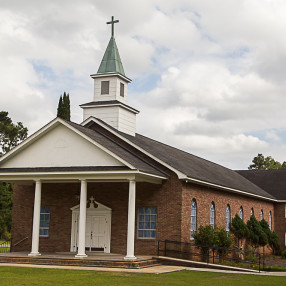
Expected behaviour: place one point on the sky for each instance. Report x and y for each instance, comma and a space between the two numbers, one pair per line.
207, 76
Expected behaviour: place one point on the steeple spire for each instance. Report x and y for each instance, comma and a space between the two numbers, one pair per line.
111, 62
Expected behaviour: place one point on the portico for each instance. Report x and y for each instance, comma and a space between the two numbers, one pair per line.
83, 180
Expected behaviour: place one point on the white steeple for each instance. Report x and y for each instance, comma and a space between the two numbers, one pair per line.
110, 92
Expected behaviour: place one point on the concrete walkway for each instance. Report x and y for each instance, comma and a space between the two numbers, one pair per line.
160, 269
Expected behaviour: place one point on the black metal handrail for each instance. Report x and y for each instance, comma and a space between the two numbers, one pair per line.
218, 255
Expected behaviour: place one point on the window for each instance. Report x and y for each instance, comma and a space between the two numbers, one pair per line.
261, 215
212, 215
241, 213
121, 89
270, 220
251, 212
45, 221
193, 218
105, 87
227, 218
147, 217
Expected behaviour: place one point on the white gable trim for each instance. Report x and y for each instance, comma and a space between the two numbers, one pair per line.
46, 129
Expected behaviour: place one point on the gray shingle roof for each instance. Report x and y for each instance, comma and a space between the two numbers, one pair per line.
272, 181
196, 167
119, 150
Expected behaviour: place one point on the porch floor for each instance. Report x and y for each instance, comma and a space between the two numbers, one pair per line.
97, 259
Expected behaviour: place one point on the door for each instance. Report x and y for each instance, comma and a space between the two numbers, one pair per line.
96, 234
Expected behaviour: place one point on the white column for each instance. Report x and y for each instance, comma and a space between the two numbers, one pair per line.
82, 220
36, 220
131, 221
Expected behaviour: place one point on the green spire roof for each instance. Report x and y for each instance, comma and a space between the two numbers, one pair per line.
111, 62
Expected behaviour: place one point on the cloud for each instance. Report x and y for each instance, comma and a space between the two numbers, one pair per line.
208, 75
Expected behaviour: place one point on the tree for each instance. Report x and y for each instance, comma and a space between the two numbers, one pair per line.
6, 196
272, 237
265, 163
10, 134
204, 239
238, 228
222, 240
256, 236
64, 107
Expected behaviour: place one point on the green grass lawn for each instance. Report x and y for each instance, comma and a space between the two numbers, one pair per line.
33, 276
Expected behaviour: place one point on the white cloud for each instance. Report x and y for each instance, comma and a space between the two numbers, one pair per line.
219, 68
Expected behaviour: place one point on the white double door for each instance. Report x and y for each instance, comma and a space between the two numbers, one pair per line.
96, 232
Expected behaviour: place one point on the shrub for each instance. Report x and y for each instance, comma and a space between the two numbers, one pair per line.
238, 228
256, 236
283, 254
204, 239
222, 240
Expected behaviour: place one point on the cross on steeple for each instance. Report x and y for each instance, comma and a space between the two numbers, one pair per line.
112, 22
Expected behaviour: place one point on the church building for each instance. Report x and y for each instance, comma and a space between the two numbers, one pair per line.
100, 186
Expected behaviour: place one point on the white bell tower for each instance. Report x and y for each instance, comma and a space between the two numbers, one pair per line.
110, 92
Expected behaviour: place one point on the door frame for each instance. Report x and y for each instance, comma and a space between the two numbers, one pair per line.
94, 209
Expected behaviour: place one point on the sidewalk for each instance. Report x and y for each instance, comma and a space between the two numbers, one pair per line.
160, 269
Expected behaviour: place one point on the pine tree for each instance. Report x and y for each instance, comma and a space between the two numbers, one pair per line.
60, 108
64, 107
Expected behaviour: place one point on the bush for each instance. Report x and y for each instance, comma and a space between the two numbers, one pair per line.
204, 239
283, 254
256, 236
238, 228
222, 240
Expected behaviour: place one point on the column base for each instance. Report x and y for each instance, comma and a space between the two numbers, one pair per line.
34, 254
80, 256
130, 257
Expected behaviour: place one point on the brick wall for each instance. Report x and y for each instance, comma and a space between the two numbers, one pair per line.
205, 196
280, 222
61, 197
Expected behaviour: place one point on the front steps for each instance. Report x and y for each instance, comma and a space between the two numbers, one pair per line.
107, 263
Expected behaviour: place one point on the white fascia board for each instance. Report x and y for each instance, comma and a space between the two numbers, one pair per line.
179, 173
192, 180
78, 175
53, 124
281, 201
108, 105
111, 74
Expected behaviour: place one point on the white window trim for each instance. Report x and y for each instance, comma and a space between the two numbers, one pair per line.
153, 238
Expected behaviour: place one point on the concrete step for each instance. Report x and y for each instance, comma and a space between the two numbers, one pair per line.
80, 262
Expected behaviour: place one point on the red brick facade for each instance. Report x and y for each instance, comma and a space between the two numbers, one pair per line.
280, 222
172, 199
61, 197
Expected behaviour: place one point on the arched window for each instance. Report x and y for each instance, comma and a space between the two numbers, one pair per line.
193, 217
270, 220
251, 212
241, 213
261, 215
227, 218
212, 215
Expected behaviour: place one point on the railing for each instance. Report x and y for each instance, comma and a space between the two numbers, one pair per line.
209, 254
5, 246
23, 239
